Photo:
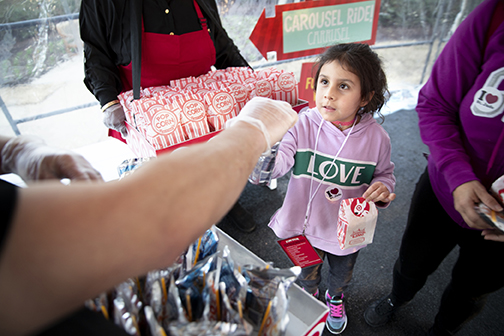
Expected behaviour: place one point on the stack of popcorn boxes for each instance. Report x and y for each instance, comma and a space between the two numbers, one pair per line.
198, 107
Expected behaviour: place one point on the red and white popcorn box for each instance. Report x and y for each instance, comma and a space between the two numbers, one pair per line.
218, 75
239, 70
356, 222
193, 114
221, 107
260, 88
184, 83
245, 77
160, 126
285, 87
497, 189
150, 91
139, 108
265, 73
125, 100
224, 93
168, 94
239, 90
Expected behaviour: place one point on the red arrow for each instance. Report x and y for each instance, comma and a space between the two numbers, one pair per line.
268, 32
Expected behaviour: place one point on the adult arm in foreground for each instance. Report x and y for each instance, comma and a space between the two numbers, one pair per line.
69, 243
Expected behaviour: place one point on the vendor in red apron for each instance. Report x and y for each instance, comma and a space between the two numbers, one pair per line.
178, 38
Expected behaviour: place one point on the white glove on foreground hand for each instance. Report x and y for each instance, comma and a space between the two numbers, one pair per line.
272, 117
31, 159
114, 118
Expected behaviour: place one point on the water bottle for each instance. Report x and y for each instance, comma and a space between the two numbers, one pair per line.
261, 175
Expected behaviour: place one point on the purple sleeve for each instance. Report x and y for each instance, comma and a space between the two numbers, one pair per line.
285, 156
439, 100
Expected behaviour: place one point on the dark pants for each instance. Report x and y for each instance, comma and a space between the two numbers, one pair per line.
430, 235
340, 273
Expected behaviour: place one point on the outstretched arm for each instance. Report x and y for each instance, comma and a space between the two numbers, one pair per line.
32, 159
69, 243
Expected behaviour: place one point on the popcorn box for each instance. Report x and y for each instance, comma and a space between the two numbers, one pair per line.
221, 107
193, 114
144, 149
356, 222
497, 189
168, 117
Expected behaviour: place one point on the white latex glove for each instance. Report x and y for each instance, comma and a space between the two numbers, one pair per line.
31, 159
114, 118
272, 117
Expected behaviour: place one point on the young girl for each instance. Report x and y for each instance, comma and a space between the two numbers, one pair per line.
339, 145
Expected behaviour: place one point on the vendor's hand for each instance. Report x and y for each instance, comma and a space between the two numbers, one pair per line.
378, 192
469, 194
31, 159
273, 117
493, 234
114, 118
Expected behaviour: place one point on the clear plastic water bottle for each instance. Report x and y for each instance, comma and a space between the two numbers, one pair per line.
261, 175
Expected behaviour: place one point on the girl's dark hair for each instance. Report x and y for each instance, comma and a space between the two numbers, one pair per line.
364, 63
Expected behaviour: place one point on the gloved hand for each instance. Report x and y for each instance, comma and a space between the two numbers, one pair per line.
114, 118
31, 159
272, 117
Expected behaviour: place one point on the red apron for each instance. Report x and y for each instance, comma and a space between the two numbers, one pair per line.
166, 57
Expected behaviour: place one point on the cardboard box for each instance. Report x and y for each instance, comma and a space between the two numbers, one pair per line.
143, 149
307, 315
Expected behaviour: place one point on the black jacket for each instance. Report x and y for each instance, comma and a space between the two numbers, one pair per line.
105, 30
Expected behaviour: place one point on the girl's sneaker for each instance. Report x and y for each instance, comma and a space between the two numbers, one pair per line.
337, 320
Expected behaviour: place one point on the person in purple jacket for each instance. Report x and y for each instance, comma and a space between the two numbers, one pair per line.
460, 112
337, 145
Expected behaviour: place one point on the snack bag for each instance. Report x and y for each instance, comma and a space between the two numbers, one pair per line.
285, 87
238, 90
183, 83
151, 91
128, 166
261, 88
244, 77
221, 107
356, 222
167, 93
161, 126
125, 99
193, 114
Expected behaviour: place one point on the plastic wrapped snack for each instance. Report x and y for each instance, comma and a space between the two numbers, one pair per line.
127, 305
128, 166
191, 288
154, 326
203, 247
494, 218
263, 286
261, 175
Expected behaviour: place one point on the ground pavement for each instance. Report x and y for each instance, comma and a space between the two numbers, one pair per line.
373, 271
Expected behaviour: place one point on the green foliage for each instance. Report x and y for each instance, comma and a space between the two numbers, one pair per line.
15, 10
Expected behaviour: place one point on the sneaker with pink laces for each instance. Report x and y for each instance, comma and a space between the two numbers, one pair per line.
337, 320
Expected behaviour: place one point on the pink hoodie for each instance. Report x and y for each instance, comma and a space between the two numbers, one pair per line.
364, 159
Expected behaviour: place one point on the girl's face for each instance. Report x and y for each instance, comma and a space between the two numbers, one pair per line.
338, 95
